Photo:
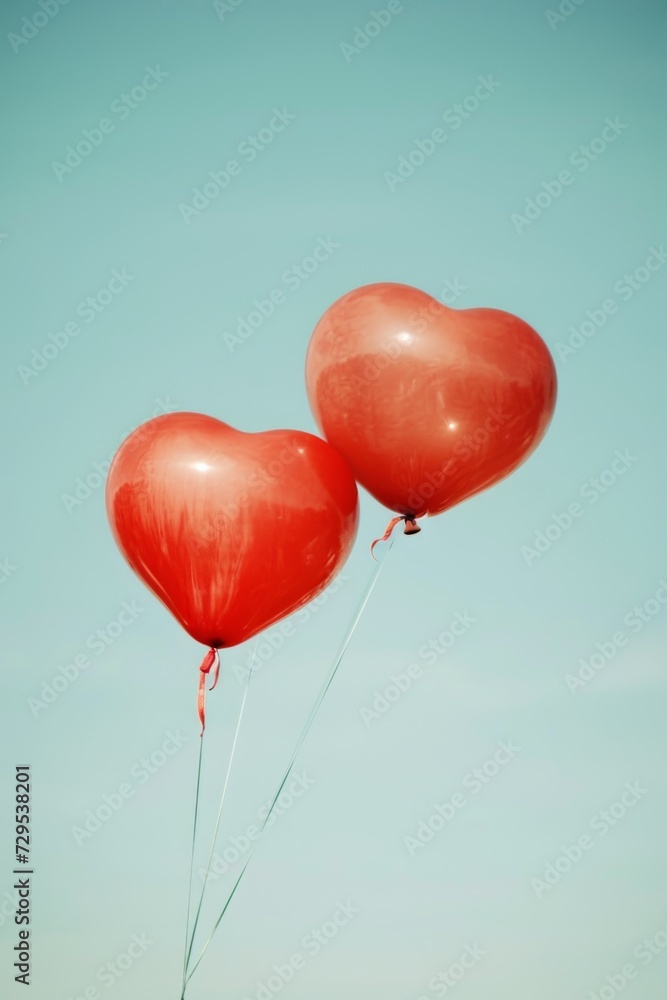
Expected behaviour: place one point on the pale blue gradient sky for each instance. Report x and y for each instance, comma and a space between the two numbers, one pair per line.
162, 343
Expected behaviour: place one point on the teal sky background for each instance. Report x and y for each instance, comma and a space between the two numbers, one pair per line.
161, 344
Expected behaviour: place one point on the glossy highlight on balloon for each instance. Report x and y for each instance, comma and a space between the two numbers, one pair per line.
429, 405
231, 531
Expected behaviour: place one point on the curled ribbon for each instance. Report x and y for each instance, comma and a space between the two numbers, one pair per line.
212, 659
411, 528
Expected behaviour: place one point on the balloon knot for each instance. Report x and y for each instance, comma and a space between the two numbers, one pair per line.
411, 528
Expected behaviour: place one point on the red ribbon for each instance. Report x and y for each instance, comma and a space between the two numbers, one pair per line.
390, 527
207, 663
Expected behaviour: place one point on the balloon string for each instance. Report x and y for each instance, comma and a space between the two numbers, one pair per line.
212, 658
192, 859
302, 738
209, 660
222, 802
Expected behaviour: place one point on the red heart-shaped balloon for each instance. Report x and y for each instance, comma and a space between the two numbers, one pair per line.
231, 531
429, 405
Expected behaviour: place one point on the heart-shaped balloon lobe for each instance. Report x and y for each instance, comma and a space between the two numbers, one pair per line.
231, 531
428, 405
